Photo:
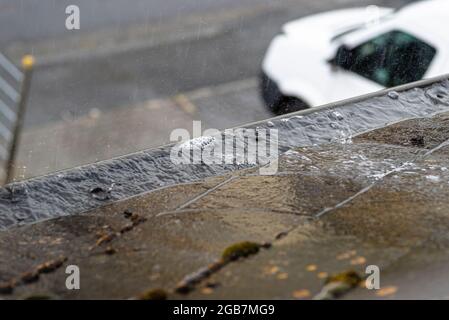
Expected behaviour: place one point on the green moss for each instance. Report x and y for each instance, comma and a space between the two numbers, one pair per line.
238, 250
350, 278
154, 294
39, 296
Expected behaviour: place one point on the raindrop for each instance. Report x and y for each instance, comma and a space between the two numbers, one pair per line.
337, 115
433, 178
393, 95
101, 194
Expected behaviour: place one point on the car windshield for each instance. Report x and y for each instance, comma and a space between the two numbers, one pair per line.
391, 59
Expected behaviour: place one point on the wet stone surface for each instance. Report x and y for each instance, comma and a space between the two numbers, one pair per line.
421, 133
381, 199
92, 186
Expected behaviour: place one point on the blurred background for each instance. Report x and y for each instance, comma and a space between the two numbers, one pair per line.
137, 69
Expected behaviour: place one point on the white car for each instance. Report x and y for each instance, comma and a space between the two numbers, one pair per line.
344, 53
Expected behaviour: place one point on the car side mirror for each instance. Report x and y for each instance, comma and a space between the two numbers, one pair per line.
332, 62
342, 58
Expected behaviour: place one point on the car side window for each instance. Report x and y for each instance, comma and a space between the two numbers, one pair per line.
391, 59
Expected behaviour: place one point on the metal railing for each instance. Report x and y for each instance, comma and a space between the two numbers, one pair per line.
14, 90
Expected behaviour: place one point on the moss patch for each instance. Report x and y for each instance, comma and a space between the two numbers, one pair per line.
350, 278
154, 294
239, 250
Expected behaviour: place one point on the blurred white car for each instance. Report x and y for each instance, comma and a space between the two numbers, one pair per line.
340, 54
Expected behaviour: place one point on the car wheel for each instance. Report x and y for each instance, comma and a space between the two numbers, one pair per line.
290, 104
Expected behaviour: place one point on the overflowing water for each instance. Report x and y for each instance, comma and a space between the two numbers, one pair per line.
80, 189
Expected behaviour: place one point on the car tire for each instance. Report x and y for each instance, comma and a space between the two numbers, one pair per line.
289, 105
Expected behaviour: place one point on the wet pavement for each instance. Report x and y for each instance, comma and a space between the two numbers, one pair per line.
377, 197
70, 191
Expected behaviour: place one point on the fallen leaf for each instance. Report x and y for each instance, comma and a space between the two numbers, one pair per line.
358, 261
311, 267
282, 276
387, 291
346, 255
207, 290
343, 256
301, 294
271, 270
322, 275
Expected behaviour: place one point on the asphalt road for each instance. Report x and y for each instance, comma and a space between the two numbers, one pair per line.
113, 79
206, 52
28, 20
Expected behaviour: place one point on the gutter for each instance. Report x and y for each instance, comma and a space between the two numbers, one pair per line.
84, 188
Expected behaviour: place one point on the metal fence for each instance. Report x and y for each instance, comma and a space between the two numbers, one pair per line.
14, 89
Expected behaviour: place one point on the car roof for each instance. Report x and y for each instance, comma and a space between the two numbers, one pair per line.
431, 16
